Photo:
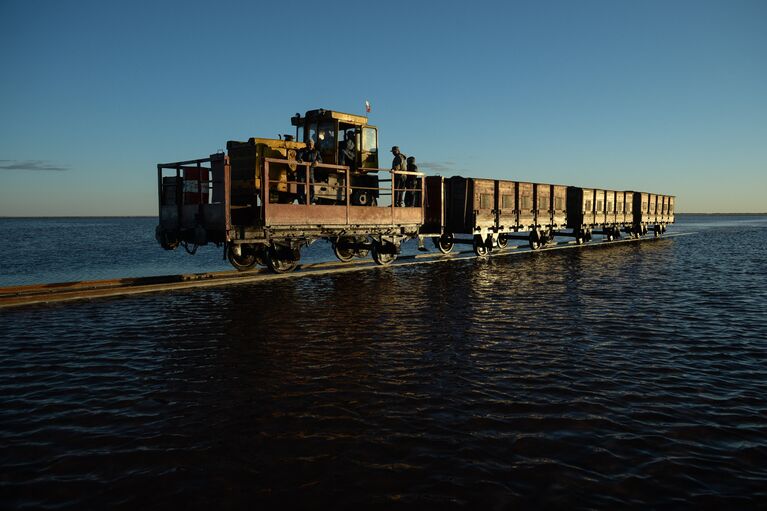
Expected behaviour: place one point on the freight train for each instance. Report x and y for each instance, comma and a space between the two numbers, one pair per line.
253, 200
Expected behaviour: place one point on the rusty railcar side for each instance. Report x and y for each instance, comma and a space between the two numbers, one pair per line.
434, 207
627, 219
507, 206
652, 213
580, 208
525, 206
559, 206
550, 206
542, 205
600, 215
471, 205
610, 208
671, 201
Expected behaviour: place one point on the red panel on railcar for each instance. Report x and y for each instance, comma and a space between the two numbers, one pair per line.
196, 185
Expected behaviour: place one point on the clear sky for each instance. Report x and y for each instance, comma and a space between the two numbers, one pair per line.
663, 96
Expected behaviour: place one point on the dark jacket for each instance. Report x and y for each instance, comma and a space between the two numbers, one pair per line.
399, 162
307, 155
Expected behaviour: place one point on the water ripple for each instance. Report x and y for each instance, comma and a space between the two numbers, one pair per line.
623, 376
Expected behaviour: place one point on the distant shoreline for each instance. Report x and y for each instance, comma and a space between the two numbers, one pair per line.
155, 216
75, 216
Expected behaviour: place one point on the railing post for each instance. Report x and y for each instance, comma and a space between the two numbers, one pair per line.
227, 196
265, 191
160, 193
348, 191
199, 182
393, 179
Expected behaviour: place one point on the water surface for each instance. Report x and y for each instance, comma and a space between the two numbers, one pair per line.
632, 375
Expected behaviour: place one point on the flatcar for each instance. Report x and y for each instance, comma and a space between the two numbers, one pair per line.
255, 201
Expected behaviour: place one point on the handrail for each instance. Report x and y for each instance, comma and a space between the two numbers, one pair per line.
180, 163
345, 184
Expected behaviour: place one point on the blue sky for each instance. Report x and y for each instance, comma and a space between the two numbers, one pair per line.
663, 96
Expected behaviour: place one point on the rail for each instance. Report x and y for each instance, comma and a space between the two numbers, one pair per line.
15, 296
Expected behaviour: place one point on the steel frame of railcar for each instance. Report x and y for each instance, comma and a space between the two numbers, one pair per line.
275, 232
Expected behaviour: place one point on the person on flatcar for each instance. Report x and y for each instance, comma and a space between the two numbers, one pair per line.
399, 163
413, 184
311, 155
348, 150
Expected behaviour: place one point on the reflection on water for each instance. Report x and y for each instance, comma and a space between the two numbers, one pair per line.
629, 375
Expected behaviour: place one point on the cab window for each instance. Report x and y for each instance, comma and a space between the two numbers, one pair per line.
326, 137
369, 140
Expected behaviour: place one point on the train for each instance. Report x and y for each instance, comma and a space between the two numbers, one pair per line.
253, 201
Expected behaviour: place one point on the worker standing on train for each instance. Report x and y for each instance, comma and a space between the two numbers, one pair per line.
348, 151
399, 164
413, 184
310, 155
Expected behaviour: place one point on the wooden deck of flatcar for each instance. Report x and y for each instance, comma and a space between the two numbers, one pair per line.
67, 291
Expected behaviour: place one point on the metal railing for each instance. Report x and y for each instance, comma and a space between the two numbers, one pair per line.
304, 169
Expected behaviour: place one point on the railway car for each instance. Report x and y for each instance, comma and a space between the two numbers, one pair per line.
652, 211
581, 213
263, 204
487, 213
256, 199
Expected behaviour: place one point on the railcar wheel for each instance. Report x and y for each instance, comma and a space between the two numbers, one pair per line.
260, 253
281, 260
444, 243
344, 253
503, 242
480, 248
245, 260
382, 256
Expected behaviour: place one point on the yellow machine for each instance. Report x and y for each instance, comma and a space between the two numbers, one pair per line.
329, 131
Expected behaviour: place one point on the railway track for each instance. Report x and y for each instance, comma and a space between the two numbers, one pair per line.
15, 296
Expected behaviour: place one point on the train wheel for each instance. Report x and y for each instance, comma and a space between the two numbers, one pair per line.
535, 242
245, 260
480, 248
444, 243
380, 256
502, 241
344, 253
260, 254
281, 261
